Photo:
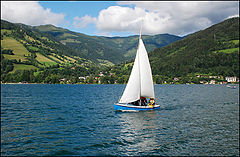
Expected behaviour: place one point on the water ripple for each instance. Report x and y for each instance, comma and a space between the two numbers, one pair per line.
79, 120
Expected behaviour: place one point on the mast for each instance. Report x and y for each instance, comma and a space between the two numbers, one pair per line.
140, 34
140, 37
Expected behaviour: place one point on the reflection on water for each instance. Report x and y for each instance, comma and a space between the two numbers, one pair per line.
138, 130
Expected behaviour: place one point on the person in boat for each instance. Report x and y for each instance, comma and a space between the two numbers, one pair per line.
143, 101
151, 102
136, 103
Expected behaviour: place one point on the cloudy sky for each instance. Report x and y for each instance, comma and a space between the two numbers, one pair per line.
121, 18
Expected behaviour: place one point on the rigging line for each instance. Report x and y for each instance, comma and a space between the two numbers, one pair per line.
139, 67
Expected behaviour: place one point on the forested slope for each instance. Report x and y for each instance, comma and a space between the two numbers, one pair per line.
213, 50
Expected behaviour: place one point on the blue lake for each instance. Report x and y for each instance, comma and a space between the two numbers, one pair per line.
43, 119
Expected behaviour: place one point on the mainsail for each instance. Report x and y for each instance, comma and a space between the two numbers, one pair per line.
140, 83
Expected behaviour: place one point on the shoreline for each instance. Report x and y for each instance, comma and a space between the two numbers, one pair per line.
122, 84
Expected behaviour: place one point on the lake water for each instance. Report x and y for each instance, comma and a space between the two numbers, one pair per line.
43, 119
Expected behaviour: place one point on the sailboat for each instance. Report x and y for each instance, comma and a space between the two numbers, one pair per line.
140, 84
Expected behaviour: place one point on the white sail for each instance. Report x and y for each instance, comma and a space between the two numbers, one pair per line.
140, 82
147, 88
131, 92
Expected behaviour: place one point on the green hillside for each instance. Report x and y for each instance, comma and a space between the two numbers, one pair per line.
113, 49
30, 52
213, 50
26, 43
85, 46
24, 49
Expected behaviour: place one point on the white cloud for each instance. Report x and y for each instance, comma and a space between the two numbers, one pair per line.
116, 18
29, 12
83, 21
178, 18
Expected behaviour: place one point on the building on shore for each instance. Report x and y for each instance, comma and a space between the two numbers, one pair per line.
231, 79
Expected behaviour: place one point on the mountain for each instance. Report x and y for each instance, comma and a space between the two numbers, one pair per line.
48, 53
128, 45
113, 49
210, 52
85, 45
23, 48
99, 49
214, 50
28, 44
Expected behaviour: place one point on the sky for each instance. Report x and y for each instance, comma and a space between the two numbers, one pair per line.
121, 18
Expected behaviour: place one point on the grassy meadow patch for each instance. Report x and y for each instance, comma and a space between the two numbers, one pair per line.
18, 49
56, 59
23, 67
70, 59
232, 50
44, 60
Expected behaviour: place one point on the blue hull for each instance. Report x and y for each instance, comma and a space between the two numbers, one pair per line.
129, 107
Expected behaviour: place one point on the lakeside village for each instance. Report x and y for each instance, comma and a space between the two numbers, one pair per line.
199, 79
111, 78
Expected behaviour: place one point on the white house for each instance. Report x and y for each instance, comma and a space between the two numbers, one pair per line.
231, 79
176, 79
212, 82
82, 77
